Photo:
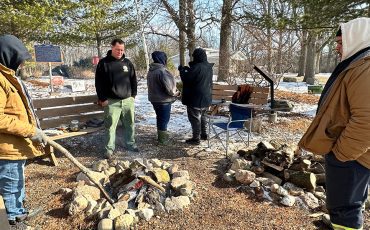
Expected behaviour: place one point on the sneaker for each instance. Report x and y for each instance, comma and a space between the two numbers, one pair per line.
204, 137
193, 141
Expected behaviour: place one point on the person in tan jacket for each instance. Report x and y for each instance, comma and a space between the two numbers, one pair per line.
20, 137
341, 128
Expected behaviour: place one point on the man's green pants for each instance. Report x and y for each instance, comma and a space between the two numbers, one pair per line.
119, 110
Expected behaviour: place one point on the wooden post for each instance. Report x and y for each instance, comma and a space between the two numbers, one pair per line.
49, 150
4, 223
51, 78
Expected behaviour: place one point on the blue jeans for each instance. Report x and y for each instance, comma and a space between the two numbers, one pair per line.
163, 112
12, 186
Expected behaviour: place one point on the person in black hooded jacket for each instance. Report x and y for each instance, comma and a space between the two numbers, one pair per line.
197, 93
116, 87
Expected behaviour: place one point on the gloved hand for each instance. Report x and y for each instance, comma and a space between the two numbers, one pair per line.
39, 137
180, 68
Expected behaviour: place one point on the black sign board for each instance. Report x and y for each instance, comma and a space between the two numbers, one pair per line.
47, 53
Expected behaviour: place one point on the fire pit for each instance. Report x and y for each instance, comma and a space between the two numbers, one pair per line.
140, 189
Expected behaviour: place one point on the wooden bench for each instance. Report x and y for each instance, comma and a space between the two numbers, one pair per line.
259, 95
54, 112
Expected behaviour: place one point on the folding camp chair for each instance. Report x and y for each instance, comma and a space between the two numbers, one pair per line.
234, 124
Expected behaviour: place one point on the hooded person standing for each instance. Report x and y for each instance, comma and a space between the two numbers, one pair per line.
116, 87
197, 93
341, 128
20, 137
161, 93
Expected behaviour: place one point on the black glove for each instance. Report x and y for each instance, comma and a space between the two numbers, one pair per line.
39, 137
180, 68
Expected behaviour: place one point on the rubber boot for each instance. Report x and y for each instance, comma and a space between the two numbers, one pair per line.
163, 137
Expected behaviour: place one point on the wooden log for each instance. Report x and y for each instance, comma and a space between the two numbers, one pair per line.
302, 179
305, 164
276, 179
320, 178
150, 181
276, 167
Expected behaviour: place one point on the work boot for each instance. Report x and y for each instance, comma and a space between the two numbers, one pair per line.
29, 215
204, 137
326, 220
163, 137
193, 141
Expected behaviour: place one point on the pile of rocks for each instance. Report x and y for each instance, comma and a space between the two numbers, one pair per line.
280, 173
141, 189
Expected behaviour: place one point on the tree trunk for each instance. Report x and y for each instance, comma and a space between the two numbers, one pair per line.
190, 31
309, 76
317, 61
303, 54
328, 59
279, 64
98, 46
225, 36
182, 43
269, 40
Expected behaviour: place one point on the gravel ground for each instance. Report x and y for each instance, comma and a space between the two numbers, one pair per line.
219, 205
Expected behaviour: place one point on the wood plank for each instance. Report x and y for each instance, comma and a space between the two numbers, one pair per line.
261, 89
4, 223
64, 111
218, 97
49, 152
258, 101
52, 102
259, 95
223, 92
66, 120
73, 134
225, 87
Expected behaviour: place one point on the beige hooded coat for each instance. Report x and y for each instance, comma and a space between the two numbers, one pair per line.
342, 124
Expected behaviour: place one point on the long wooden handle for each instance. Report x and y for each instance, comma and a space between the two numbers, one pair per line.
83, 169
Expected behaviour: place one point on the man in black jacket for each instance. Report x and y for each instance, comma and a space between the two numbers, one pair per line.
116, 87
197, 93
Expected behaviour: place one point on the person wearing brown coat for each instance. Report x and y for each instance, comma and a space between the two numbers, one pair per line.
20, 137
341, 128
